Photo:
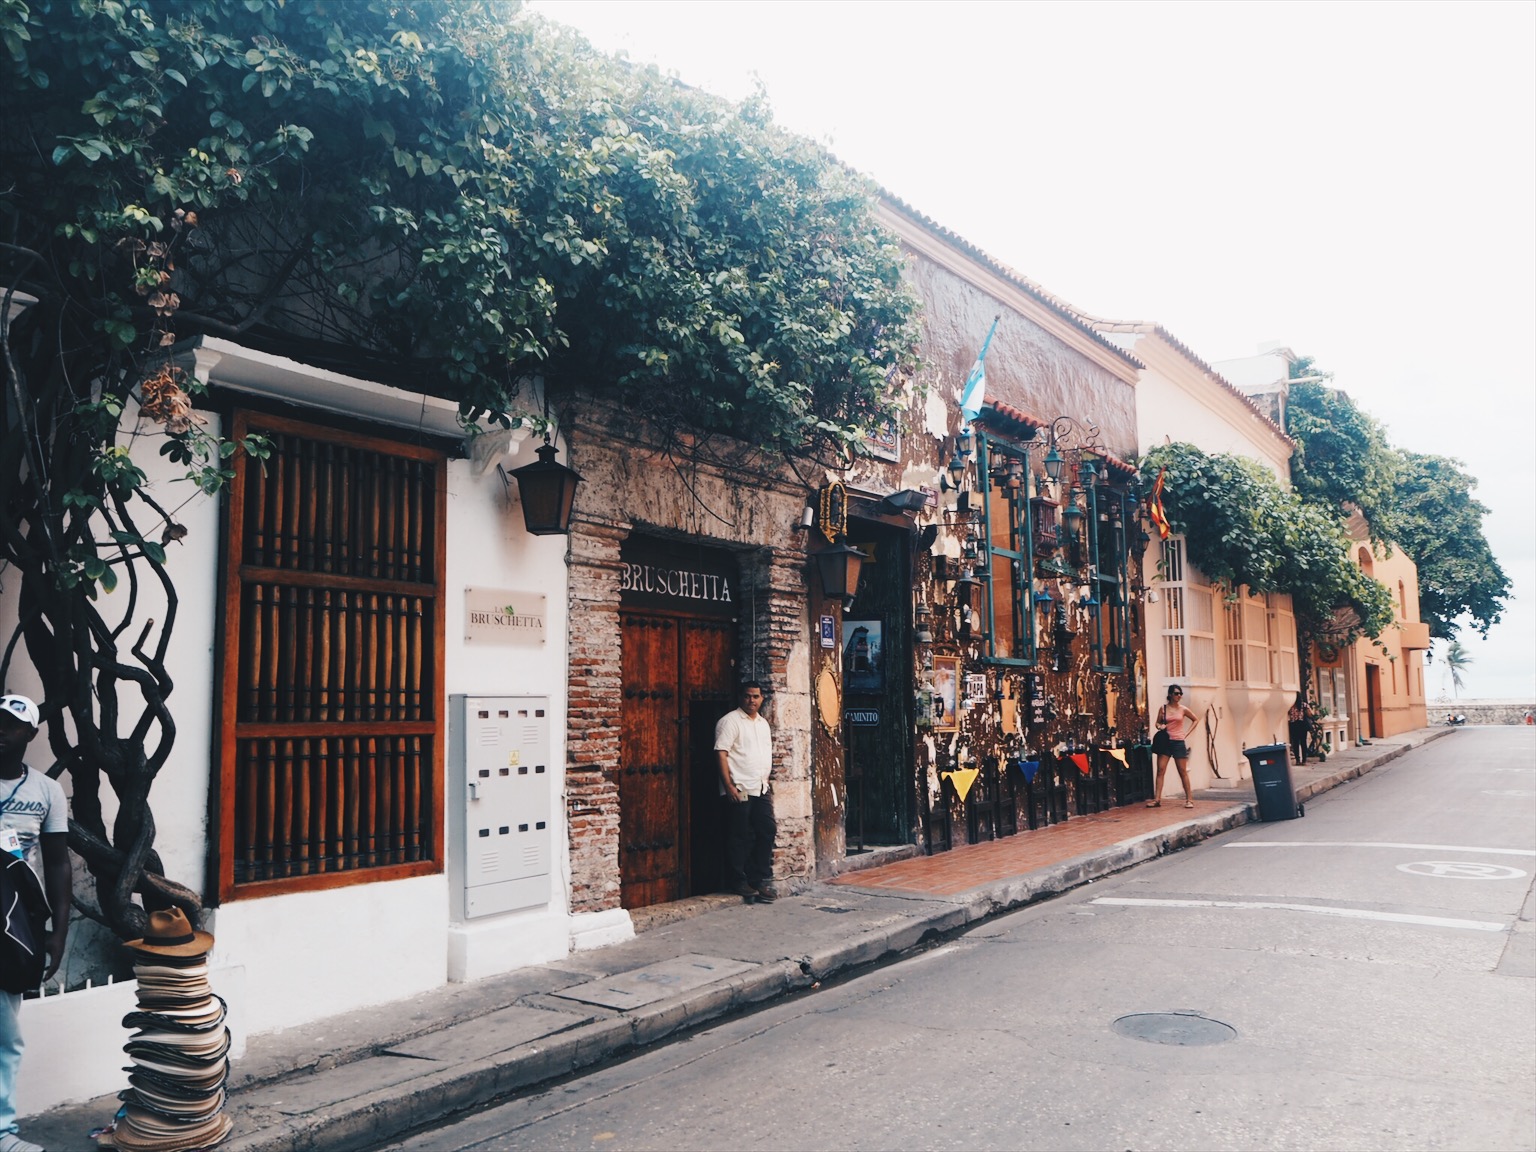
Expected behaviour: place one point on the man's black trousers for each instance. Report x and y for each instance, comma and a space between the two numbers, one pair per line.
749, 832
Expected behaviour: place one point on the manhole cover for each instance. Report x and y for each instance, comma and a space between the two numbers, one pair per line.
1185, 1029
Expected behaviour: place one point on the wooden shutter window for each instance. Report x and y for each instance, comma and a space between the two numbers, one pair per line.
331, 738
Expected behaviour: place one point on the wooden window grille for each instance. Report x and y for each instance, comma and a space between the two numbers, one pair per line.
1237, 663
1189, 625
331, 735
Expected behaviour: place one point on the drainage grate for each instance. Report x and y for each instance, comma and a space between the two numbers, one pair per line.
1184, 1029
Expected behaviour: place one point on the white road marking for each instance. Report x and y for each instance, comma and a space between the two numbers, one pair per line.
1380, 844
1318, 909
1461, 870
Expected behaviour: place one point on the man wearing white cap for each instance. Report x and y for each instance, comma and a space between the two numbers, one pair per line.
34, 825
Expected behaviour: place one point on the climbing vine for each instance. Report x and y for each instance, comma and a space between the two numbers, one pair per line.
1242, 527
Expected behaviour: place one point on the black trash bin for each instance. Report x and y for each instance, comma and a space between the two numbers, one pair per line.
1272, 782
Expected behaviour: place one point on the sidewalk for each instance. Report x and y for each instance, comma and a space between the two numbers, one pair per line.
359, 1080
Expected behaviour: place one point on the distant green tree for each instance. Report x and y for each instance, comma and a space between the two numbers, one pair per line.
1342, 455
1439, 524
1457, 661
1422, 504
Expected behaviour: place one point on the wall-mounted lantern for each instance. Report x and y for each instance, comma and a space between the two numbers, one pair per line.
1071, 519
1053, 463
923, 625
548, 490
839, 566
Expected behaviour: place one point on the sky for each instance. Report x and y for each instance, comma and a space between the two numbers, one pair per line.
1354, 181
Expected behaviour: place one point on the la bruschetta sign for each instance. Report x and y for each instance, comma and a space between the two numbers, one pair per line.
499, 616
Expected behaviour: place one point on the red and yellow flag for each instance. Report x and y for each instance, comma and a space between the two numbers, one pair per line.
1155, 507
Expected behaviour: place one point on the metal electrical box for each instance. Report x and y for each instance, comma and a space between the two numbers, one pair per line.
500, 815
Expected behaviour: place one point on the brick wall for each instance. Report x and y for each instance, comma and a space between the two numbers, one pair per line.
592, 721
735, 500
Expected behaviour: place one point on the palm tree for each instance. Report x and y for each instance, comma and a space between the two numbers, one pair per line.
1457, 661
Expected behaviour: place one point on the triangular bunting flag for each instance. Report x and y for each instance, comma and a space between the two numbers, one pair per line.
962, 779
1029, 768
1081, 760
1117, 753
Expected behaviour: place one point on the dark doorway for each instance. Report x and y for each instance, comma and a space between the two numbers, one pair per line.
677, 632
877, 690
1376, 729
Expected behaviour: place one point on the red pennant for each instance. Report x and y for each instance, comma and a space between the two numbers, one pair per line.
1155, 507
1081, 760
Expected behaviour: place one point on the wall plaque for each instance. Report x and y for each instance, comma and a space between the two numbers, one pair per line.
501, 616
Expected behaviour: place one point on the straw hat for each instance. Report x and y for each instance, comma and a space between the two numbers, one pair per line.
169, 934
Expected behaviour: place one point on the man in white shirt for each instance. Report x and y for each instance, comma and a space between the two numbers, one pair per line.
34, 825
744, 745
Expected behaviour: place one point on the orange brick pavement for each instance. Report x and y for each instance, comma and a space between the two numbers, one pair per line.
971, 866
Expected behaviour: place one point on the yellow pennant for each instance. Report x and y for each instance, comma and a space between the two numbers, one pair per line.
1117, 753
962, 779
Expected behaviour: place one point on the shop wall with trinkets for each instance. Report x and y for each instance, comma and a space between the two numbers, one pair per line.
1029, 669
1031, 694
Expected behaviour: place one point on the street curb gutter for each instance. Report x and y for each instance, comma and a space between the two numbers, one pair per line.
381, 1116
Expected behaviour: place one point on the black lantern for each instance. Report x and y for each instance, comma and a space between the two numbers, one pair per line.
839, 566
547, 490
965, 587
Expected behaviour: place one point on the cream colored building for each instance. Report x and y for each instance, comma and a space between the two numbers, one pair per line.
1233, 651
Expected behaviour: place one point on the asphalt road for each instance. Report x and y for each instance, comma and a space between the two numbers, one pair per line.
1364, 977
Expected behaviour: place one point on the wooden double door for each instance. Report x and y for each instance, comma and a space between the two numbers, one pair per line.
679, 678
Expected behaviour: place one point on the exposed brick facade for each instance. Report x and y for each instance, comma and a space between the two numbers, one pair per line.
734, 501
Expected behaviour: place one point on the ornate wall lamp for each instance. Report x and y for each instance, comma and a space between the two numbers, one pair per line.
547, 490
839, 565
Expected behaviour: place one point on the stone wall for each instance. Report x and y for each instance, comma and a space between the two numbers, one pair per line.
718, 494
1482, 711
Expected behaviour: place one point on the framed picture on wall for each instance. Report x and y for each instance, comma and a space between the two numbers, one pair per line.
946, 693
863, 656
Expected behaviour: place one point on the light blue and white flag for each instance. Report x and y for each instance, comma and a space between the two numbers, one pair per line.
974, 392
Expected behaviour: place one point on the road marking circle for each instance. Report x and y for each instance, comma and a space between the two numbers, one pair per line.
1461, 870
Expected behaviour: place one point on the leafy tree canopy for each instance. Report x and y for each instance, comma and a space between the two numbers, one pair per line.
1242, 527
1342, 455
456, 193
1439, 523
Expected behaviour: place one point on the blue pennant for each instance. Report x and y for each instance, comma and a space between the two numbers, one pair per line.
1029, 768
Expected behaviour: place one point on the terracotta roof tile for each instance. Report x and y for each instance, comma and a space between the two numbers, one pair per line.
1016, 421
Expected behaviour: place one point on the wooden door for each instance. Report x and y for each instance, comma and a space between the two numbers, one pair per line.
678, 679
1374, 726
650, 825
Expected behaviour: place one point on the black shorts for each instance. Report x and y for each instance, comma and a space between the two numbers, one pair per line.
1164, 745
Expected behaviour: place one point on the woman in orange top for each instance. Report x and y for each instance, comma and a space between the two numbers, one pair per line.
1174, 723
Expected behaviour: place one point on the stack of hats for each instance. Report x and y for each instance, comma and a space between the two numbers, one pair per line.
179, 1049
